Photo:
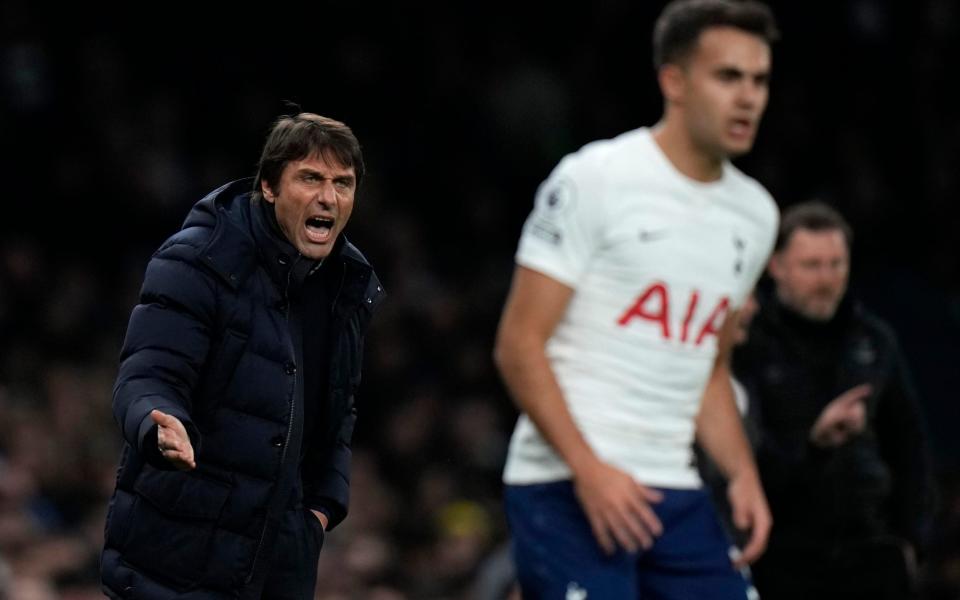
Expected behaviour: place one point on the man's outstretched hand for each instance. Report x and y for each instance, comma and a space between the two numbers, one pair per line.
173, 441
843, 418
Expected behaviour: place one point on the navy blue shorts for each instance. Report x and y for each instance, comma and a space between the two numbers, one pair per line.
557, 556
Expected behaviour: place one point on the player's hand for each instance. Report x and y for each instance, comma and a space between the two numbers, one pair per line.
750, 513
173, 441
844, 417
618, 507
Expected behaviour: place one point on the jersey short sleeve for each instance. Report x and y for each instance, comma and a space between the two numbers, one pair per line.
564, 229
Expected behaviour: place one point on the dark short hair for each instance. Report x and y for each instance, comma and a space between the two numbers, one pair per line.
813, 215
306, 134
679, 26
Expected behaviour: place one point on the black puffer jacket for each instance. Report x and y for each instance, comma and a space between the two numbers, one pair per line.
210, 343
878, 483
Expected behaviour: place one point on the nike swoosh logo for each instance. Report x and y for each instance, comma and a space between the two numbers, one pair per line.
650, 235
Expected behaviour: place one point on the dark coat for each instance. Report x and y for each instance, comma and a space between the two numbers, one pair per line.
214, 343
876, 485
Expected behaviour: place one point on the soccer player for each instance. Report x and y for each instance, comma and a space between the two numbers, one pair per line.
630, 269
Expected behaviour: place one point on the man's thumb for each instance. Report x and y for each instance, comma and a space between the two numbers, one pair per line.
160, 418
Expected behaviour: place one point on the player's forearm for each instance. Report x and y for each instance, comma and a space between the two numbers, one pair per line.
720, 429
532, 384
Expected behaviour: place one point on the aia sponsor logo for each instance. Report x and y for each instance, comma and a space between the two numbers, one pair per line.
699, 322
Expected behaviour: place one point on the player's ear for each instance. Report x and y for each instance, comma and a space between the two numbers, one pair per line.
672, 82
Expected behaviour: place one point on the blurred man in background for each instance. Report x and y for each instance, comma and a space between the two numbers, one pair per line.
841, 453
630, 269
236, 383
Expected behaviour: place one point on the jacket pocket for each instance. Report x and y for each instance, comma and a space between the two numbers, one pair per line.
315, 530
172, 524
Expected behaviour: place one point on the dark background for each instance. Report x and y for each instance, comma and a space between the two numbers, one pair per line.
113, 122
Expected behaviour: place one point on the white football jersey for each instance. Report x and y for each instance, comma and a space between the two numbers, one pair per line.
656, 261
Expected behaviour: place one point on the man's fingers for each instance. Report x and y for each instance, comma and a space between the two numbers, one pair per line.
170, 422
174, 448
641, 535
758, 521
856, 394
859, 391
751, 552
651, 521
640, 520
182, 463
603, 536
628, 532
641, 512
755, 545
181, 459
612, 531
857, 414
650, 494
170, 439
162, 418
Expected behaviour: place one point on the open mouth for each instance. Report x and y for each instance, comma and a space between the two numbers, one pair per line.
319, 229
741, 127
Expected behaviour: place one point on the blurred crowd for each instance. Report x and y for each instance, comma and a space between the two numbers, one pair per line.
109, 132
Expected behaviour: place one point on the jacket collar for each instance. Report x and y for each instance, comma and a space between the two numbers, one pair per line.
243, 236
286, 266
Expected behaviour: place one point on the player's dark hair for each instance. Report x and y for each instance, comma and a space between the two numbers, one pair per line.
306, 134
812, 216
679, 26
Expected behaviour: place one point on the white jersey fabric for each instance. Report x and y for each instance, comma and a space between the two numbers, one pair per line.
656, 260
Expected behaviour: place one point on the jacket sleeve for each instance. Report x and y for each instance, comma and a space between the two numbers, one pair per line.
167, 341
904, 446
327, 486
